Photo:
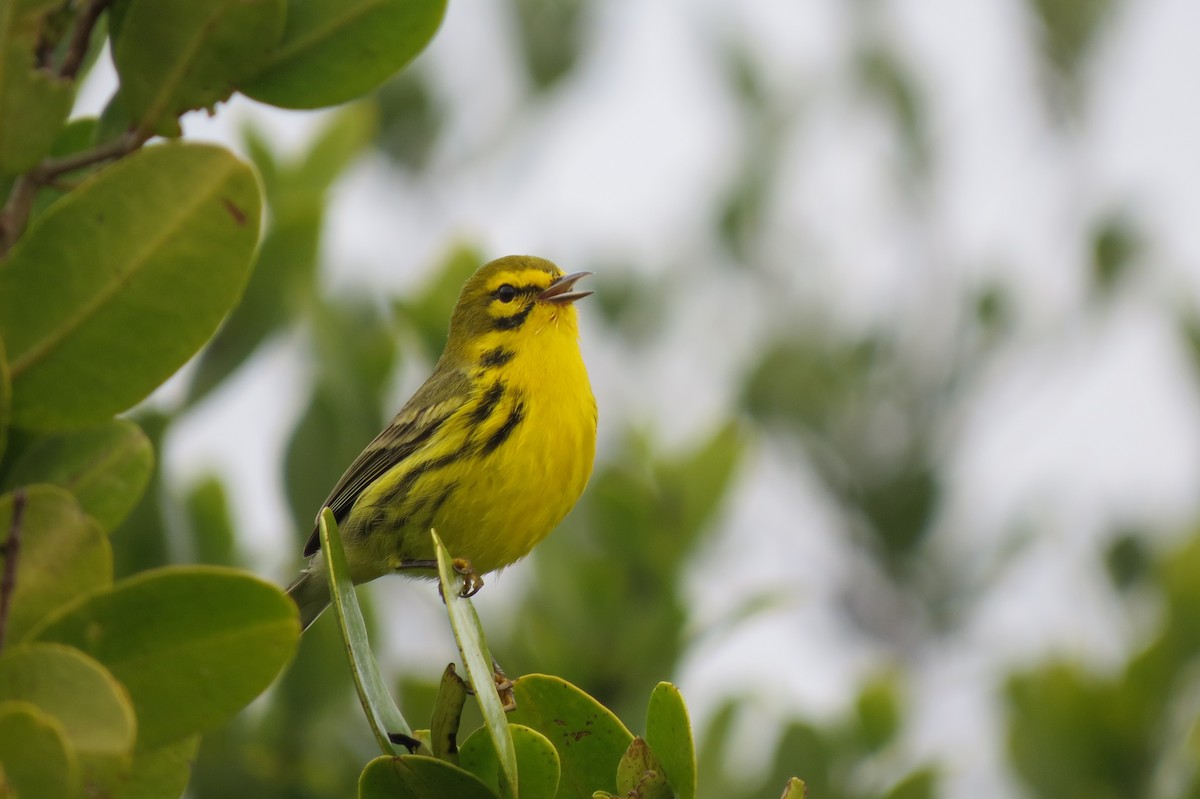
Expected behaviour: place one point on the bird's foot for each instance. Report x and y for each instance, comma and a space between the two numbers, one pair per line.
472, 582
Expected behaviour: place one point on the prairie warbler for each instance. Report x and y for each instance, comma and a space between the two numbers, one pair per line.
492, 451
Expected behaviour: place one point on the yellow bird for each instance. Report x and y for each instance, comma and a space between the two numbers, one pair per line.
492, 451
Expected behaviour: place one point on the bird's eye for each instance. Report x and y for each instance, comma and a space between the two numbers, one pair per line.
506, 293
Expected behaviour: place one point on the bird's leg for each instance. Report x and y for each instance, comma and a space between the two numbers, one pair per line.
504, 687
472, 582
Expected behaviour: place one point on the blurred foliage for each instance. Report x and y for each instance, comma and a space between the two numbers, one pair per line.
1077, 733
551, 35
838, 759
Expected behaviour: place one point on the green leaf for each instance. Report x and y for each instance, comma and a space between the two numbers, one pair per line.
120, 282
93, 709
447, 715
193, 645
63, 555
468, 632
418, 777
35, 97
669, 734
640, 774
538, 766
878, 711
335, 50
213, 537
283, 279
795, 789
381, 711
106, 468
176, 55
161, 772
589, 739
35, 758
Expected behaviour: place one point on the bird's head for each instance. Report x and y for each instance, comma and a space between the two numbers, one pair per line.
512, 298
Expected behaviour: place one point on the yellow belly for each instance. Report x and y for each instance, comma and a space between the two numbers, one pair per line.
491, 507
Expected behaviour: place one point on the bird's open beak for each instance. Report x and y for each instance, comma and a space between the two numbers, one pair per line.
559, 292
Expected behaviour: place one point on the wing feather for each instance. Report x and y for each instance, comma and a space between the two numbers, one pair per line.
445, 392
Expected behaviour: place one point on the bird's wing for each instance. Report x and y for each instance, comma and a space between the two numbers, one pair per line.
442, 394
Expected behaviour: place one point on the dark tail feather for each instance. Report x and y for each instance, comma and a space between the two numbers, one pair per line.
310, 592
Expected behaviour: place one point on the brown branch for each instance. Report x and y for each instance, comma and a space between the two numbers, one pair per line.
12, 548
15, 214
81, 37
114, 148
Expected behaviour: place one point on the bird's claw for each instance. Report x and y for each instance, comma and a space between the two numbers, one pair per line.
472, 582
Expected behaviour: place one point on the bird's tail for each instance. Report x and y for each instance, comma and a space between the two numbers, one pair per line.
310, 592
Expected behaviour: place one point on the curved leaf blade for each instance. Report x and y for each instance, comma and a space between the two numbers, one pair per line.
63, 555
92, 708
669, 734
336, 50
589, 739
35, 758
382, 714
116, 285
468, 632
177, 55
105, 468
418, 777
37, 98
193, 645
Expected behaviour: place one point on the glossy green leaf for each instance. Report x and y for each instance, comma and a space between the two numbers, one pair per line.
336, 50
640, 774
34, 96
93, 709
669, 734
193, 645
537, 762
105, 468
120, 282
468, 632
378, 705
161, 772
795, 789
447, 715
283, 280
35, 758
589, 739
418, 777
63, 554
176, 55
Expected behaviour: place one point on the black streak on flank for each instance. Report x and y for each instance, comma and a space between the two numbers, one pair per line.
510, 424
424, 467
496, 357
488, 404
514, 321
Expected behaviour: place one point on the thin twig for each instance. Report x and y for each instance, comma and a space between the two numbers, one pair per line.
114, 148
81, 37
15, 215
12, 549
